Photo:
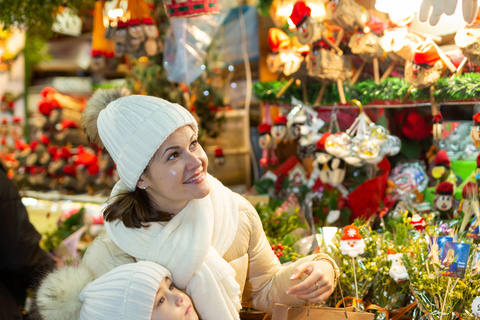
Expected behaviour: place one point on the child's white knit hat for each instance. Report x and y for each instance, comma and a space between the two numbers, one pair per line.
132, 129
126, 292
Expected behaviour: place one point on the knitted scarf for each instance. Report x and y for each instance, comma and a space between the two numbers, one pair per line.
191, 246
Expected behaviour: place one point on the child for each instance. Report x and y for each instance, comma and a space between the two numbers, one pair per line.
140, 291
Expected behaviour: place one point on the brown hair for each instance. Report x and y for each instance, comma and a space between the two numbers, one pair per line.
134, 209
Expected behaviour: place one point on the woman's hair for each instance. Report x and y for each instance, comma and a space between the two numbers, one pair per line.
133, 208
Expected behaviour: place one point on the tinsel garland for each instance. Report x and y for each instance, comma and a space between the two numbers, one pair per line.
391, 91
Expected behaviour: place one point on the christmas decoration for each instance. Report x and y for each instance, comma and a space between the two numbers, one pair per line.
352, 242
190, 8
443, 201
442, 170
475, 132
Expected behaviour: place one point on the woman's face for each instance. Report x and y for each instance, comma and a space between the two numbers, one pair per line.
177, 172
172, 304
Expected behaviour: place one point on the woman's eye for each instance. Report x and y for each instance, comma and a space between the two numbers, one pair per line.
194, 144
173, 156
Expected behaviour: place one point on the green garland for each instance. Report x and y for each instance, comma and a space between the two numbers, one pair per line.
263, 7
37, 16
393, 90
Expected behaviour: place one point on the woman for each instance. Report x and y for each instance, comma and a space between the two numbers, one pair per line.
167, 209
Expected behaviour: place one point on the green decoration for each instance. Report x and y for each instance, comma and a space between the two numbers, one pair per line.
263, 7
389, 92
52, 240
37, 16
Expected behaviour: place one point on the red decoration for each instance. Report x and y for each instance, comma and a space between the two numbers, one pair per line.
190, 8
351, 233
263, 128
476, 118
321, 141
280, 119
442, 158
300, 12
366, 199
469, 189
444, 188
426, 54
278, 40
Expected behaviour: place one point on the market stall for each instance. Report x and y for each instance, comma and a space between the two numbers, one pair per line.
351, 126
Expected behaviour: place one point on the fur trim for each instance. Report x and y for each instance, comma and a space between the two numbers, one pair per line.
99, 101
57, 296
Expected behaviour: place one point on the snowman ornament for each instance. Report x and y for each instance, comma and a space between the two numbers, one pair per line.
397, 270
352, 242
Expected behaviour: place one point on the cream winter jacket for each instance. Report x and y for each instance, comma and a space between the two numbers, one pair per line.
263, 281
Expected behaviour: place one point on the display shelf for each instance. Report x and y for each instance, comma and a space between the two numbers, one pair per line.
56, 196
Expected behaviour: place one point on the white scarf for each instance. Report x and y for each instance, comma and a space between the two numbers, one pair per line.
191, 246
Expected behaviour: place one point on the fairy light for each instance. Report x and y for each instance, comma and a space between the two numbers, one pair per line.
234, 85
230, 68
115, 13
206, 93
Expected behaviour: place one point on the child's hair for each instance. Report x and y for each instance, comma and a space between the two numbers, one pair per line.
126, 292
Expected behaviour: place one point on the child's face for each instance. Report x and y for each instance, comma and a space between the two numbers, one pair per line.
172, 304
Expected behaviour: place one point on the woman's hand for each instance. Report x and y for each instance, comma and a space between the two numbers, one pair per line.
318, 285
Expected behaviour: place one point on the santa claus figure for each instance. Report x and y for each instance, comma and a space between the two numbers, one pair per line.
397, 270
443, 200
418, 222
219, 157
352, 242
308, 30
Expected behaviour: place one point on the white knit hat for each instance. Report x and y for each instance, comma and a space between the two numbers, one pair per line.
133, 128
126, 292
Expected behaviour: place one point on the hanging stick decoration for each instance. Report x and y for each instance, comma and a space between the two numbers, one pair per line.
437, 126
352, 244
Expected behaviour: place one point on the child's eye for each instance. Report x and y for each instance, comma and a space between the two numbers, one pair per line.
171, 287
162, 300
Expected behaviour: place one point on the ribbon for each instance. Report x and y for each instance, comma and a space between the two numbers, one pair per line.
378, 309
401, 312
354, 301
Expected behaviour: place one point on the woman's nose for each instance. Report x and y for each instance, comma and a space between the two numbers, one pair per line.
194, 162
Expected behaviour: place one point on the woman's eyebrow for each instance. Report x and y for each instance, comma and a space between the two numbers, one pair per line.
171, 148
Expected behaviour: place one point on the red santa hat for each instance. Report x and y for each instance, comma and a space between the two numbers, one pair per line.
444, 188
70, 170
390, 251
469, 190
442, 159
278, 40
121, 24
264, 128
476, 118
147, 20
218, 152
67, 123
426, 53
300, 13
351, 233
321, 141
133, 22
96, 53
93, 169
280, 119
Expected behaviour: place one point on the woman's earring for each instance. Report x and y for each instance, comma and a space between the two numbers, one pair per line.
144, 186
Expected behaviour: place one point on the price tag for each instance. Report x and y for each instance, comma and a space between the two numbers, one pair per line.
476, 306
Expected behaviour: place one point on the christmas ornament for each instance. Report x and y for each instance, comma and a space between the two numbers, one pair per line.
219, 157
352, 242
418, 222
443, 200
469, 201
467, 39
279, 130
397, 271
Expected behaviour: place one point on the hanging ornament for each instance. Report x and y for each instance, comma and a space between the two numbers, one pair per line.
190, 8
219, 157
437, 126
120, 39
